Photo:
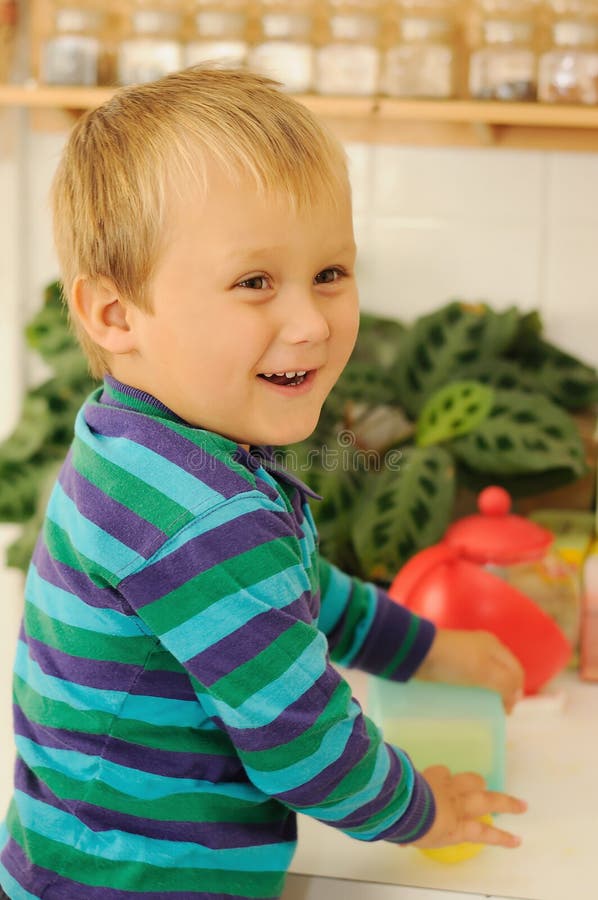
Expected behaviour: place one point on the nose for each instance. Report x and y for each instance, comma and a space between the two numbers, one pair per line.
304, 318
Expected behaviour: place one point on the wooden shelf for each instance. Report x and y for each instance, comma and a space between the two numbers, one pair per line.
380, 120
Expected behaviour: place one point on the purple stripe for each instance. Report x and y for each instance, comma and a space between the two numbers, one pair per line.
136, 757
248, 641
106, 674
302, 714
76, 582
413, 815
108, 514
50, 886
391, 621
315, 791
383, 798
215, 835
201, 553
191, 454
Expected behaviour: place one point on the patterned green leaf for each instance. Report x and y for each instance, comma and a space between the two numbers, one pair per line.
379, 340
454, 410
523, 433
439, 344
405, 508
506, 374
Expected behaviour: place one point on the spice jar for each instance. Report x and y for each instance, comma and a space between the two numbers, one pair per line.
422, 65
349, 61
219, 34
504, 65
284, 48
568, 73
72, 54
153, 46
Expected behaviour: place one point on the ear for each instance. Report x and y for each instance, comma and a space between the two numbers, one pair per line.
103, 314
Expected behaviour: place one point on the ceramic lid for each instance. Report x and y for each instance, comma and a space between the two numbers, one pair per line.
496, 535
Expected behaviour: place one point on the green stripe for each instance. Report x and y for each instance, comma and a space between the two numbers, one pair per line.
415, 832
356, 609
61, 715
138, 496
80, 642
361, 774
140, 876
403, 650
229, 577
193, 807
63, 550
308, 742
268, 665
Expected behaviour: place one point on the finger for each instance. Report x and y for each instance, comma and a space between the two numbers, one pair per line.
479, 803
482, 833
468, 782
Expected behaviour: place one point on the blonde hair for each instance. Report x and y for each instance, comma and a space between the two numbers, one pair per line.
111, 189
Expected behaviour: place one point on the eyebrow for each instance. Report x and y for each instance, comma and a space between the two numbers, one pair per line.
258, 252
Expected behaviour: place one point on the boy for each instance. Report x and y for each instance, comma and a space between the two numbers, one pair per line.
174, 699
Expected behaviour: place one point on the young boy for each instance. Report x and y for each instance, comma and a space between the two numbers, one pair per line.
175, 704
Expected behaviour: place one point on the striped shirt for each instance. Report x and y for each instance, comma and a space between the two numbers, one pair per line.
174, 700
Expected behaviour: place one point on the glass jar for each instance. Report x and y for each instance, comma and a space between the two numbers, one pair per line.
422, 64
349, 61
153, 47
220, 34
284, 48
72, 55
568, 73
505, 66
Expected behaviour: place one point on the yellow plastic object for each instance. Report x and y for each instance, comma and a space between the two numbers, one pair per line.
455, 853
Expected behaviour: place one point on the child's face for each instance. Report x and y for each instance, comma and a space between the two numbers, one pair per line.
246, 288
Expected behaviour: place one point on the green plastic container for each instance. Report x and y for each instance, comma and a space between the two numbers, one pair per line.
459, 727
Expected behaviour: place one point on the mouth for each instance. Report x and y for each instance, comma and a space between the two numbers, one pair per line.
287, 379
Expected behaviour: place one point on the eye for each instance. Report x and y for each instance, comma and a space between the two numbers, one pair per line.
254, 283
328, 276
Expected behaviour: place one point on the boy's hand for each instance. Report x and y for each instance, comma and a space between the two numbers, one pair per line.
460, 802
474, 658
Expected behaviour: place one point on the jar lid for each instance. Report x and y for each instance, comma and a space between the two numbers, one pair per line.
156, 21
73, 19
507, 31
286, 25
215, 23
496, 535
354, 27
420, 29
575, 34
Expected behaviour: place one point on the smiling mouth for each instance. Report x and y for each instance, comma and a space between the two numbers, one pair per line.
286, 379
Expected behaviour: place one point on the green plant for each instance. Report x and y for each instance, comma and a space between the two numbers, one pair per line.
32, 454
479, 397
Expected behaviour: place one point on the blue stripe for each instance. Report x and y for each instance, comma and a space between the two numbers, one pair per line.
127, 781
362, 630
334, 601
121, 846
68, 608
151, 468
265, 705
222, 618
154, 710
227, 511
91, 540
11, 887
329, 751
366, 795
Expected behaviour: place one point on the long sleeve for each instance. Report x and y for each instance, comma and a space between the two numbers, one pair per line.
367, 630
232, 597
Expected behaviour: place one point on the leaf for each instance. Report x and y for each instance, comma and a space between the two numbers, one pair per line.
523, 433
30, 433
378, 342
454, 410
335, 473
507, 374
439, 344
405, 508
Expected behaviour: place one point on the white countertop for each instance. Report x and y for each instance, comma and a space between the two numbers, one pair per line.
551, 763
